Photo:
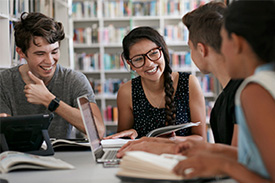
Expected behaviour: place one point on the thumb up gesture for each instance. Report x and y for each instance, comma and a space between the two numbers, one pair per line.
37, 92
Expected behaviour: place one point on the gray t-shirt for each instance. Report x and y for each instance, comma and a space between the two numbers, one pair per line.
66, 85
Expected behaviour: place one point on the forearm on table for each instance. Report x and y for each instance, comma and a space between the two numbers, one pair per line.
100, 127
192, 137
241, 174
70, 114
227, 150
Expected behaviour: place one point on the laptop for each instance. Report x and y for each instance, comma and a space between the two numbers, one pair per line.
100, 154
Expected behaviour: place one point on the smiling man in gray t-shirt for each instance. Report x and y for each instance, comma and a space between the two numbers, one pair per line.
41, 85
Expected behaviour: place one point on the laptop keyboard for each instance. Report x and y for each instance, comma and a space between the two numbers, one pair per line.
110, 154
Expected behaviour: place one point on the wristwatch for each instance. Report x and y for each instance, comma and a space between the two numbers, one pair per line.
54, 104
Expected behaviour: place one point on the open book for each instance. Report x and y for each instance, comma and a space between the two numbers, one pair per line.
169, 129
83, 144
70, 144
143, 165
114, 143
13, 160
139, 166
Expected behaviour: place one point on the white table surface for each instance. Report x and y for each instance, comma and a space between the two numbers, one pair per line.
86, 171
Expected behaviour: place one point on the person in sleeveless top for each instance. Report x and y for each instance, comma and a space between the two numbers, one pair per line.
204, 24
248, 45
157, 97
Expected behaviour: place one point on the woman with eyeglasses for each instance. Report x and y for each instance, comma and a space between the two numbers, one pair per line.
157, 97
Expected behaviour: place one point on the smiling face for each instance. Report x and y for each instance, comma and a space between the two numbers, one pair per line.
42, 58
152, 70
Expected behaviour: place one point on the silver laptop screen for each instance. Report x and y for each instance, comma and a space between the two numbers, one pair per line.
89, 123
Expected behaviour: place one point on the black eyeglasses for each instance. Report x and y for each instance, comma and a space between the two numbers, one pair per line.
139, 60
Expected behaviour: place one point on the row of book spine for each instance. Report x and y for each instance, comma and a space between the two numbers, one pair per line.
87, 35
111, 114
96, 85
180, 59
207, 83
84, 9
118, 8
87, 62
147, 8
91, 62
124, 8
17, 7
112, 34
111, 85
175, 33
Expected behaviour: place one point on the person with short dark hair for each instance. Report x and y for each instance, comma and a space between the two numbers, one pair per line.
42, 85
204, 25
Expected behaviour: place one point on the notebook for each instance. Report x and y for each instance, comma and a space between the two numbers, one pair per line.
99, 153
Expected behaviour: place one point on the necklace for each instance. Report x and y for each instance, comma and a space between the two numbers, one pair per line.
153, 99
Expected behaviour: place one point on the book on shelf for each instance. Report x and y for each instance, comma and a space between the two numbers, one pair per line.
112, 85
180, 59
111, 114
86, 9
87, 62
96, 85
113, 9
169, 129
149, 8
14, 160
139, 166
86, 35
207, 83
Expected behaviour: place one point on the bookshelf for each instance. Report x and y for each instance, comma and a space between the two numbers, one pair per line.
5, 35
99, 27
10, 11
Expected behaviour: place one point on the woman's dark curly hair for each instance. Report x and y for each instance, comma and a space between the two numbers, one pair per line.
151, 34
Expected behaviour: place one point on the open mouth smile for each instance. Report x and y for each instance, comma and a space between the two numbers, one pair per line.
46, 68
152, 70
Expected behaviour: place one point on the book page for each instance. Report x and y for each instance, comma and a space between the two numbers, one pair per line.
170, 129
68, 142
146, 165
9, 160
108, 143
164, 161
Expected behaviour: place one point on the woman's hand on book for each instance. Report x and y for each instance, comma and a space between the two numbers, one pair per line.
150, 145
190, 147
131, 133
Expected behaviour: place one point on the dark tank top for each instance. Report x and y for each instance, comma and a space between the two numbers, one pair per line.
148, 118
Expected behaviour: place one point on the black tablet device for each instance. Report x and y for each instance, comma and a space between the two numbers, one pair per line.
25, 133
